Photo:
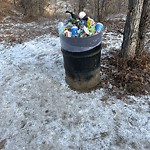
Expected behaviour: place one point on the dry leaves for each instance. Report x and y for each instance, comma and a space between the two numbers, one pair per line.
2, 143
131, 77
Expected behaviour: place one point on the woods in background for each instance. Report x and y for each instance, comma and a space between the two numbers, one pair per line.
135, 27
97, 9
30, 7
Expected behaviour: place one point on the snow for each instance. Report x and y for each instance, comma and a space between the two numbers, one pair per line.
117, 17
39, 111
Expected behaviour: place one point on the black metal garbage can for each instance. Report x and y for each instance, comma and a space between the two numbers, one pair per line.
81, 61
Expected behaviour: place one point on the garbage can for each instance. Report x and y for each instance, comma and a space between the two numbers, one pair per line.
82, 61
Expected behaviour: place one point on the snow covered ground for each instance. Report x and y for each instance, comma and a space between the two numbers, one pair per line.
38, 111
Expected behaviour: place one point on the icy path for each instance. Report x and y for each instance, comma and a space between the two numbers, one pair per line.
39, 111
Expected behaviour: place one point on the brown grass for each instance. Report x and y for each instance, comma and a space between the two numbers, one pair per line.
129, 76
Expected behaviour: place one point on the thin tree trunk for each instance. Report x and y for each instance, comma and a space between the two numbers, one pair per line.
98, 10
81, 5
102, 9
130, 39
14, 2
145, 21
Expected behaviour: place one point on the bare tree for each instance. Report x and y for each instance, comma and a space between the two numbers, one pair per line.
97, 10
103, 2
32, 7
144, 23
82, 4
131, 37
14, 2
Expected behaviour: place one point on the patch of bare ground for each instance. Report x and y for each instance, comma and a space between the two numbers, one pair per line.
126, 77
114, 25
5, 9
17, 28
2, 143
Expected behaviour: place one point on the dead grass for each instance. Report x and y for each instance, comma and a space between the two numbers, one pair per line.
5, 9
127, 76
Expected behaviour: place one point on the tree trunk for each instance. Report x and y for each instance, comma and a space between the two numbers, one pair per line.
102, 9
32, 7
14, 2
145, 21
130, 39
97, 10
81, 5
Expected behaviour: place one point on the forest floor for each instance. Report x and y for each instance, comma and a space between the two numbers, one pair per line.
133, 76
39, 110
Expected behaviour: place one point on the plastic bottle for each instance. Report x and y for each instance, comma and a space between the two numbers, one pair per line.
74, 31
61, 28
67, 33
86, 30
99, 27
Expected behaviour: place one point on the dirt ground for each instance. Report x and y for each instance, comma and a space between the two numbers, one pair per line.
39, 111
16, 28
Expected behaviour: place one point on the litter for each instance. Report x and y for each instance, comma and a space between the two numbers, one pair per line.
79, 26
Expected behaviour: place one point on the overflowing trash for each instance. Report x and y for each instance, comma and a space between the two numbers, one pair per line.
79, 26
